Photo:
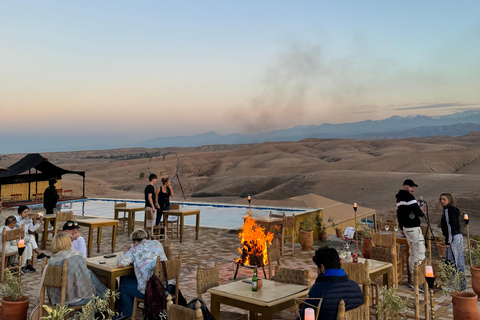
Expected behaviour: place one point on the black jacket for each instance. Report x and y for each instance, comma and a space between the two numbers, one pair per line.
453, 220
333, 289
50, 198
408, 211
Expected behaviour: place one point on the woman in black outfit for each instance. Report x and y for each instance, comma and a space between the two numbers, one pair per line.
452, 233
163, 194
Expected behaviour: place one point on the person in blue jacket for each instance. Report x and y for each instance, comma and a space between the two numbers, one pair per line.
332, 285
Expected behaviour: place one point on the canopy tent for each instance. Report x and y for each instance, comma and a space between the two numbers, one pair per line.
15, 173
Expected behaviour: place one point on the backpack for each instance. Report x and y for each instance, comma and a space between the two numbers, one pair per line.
205, 312
155, 298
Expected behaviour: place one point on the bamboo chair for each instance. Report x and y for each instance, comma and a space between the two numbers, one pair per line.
154, 231
173, 227
359, 313
122, 221
56, 277
7, 236
293, 276
359, 272
176, 312
418, 280
173, 272
385, 248
273, 254
289, 226
61, 216
209, 278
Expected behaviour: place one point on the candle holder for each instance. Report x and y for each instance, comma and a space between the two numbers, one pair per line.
429, 276
249, 203
355, 209
465, 218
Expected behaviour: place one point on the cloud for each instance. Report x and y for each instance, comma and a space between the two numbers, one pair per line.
438, 106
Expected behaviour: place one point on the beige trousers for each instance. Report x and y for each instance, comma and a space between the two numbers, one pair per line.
416, 242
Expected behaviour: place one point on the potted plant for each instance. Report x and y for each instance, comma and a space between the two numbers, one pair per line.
366, 242
14, 302
441, 246
474, 267
391, 305
58, 313
322, 228
450, 280
306, 232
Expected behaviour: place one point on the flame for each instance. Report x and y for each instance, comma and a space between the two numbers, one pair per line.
276, 227
254, 241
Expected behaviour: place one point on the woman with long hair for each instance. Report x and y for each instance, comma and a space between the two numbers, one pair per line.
163, 194
452, 232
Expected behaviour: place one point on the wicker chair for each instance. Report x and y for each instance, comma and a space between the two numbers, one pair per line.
122, 221
385, 248
273, 254
418, 280
359, 272
61, 216
293, 276
7, 236
172, 226
209, 278
55, 276
176, 312
154, 231
173, 272
359, 313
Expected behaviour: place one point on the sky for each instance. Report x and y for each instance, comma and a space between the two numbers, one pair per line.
127, 71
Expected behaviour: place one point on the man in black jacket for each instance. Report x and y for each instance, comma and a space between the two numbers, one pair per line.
408, 215
332, 285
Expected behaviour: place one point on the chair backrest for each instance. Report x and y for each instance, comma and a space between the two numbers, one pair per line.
358, 272
120, 204
62, 216
419, 273
169, 251
55, 276
359, 313
273, 254
176, 312
381, 254
289, 221
7, 236
384, 240
293, 276
10, 235
174, 206
173, 267
207, 279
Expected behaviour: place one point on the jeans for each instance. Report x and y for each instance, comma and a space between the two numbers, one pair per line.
160, 214
128, 291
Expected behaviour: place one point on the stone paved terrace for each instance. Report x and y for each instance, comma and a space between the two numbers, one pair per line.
218, 245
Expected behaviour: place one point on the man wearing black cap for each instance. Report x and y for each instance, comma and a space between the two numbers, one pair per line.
78, 243
408, 215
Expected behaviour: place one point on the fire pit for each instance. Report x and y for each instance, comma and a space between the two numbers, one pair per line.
254, 246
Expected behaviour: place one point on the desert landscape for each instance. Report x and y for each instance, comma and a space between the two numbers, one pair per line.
369, 172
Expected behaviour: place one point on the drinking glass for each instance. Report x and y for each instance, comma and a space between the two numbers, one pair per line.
387, 227
395, 228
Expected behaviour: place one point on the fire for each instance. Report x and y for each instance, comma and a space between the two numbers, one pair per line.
254, 240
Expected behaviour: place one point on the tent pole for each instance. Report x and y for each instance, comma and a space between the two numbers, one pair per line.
29, 179
84, 186
36, 180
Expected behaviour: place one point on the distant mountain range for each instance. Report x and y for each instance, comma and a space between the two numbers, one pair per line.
396, 127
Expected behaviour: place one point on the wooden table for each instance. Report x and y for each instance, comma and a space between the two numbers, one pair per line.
109, 270
99, 223
130, 211
272, 297
182, 214
269, 223
379, 268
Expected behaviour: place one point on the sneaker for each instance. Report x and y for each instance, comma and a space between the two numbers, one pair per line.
120, 316
42, 255
23, 271
411, 286
30, 268
421, 289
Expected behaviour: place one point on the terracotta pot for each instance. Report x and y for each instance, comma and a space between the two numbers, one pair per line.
14, 310
339, 233
465, 306
476, 279
441, 249
366, 247
306, 240
322, 236
259, 284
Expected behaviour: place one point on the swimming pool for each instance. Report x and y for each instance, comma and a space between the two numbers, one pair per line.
214, 215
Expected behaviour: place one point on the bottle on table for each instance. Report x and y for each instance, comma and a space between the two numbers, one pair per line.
254, 280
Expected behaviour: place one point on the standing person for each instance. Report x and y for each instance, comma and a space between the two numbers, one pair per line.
451, 231
78, 242
150, 193
50, 197
408, 215
22, 218
163, 195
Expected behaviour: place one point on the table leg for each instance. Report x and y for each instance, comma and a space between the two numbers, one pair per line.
115, 217
99, 239
114, 237
181, 227
45, 234
165, 221
112, 282
407, 248
197, 225
90, 240
386, 278
215, 306
132, 219
267, 314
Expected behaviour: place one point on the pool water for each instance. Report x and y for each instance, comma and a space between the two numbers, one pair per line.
214, 215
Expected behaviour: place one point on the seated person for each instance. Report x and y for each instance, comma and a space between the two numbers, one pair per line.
81, 282
332, 285
12, 246
143, 254
22, 218
78, 243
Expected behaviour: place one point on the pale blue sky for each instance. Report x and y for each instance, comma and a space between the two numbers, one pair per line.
140, 69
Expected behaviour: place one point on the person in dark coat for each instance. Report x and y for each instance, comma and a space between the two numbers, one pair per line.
332, 285
50, 197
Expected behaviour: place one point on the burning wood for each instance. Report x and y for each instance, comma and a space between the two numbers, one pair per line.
254, 240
